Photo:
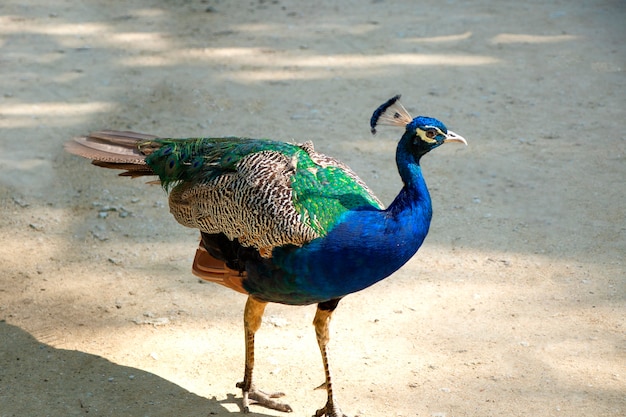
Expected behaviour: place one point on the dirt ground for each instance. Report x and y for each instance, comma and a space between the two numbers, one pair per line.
514, 306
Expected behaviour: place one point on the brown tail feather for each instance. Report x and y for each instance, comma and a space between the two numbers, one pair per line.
131, 170
212, 269
113, 149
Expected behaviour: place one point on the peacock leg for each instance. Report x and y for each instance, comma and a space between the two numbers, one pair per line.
252, 316
321, 322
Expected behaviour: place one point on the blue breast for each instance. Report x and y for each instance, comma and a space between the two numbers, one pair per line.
363, 248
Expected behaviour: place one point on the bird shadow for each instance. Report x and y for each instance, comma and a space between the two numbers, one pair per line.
35, 376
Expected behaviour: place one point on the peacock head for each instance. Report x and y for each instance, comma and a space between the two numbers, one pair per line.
423, 133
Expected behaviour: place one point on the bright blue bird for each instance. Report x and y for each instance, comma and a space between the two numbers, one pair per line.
281, 222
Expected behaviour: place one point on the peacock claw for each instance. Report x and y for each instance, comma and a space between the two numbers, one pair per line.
256, 396
330, 410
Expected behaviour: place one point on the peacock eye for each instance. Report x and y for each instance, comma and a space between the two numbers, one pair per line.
430, 134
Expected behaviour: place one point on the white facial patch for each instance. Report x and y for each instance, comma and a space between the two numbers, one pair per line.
429, 134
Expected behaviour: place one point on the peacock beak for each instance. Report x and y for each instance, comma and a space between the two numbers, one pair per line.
453, 137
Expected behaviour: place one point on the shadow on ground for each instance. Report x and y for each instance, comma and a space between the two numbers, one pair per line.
35, 376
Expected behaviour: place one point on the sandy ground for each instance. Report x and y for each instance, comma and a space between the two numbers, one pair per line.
514, 306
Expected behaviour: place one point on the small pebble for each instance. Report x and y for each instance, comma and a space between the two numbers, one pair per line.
100, 235
36, 226
20, 202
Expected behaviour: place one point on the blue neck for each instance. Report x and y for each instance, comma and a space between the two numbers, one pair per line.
414, 194
365, 247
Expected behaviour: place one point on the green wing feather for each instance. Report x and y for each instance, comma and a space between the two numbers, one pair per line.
322, 188
323, 194
198, 159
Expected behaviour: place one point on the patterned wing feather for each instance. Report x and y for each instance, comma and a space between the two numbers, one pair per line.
263, 193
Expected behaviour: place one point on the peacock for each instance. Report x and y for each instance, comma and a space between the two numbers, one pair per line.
281, 222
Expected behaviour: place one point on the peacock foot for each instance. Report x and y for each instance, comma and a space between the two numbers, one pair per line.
256, 396
330, 410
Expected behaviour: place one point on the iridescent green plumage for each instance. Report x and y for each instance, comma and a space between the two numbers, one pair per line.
196, 159
322, 195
